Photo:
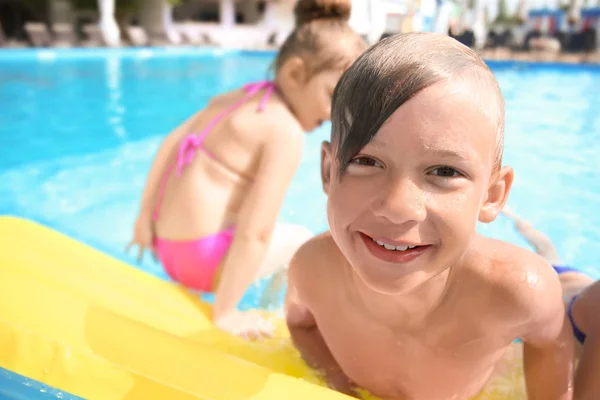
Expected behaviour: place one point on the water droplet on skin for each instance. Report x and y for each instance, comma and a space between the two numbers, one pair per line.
532, 279
59, 395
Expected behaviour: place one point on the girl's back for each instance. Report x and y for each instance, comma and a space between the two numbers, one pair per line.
208, 193
212, 197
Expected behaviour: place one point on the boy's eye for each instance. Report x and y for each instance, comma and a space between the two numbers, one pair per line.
366, 161
446, 172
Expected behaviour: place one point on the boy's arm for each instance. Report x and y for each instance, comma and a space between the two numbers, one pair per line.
306, 335
587, 384
548, 342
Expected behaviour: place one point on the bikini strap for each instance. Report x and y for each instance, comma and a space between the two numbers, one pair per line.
188, 146
253, 88
579, 335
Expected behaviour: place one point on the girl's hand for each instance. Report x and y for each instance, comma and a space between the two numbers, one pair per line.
247, 324
143, 236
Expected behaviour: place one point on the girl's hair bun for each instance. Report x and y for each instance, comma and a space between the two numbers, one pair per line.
307, 11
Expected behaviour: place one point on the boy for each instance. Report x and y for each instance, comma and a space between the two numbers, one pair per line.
402, 297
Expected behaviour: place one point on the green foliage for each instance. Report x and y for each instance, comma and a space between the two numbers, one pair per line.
37, 7
502, 12
121, 6
84, 4
502, 18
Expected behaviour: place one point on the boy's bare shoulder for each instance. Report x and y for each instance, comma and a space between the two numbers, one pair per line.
318, 250
526, 281
312, 258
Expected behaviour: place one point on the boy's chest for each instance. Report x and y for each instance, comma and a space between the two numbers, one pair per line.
439, 362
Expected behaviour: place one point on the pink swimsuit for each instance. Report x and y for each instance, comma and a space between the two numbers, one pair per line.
193, 263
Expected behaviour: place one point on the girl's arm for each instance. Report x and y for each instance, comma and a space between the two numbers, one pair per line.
279, 161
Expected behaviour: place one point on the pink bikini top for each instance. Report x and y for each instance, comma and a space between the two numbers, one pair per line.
191, 143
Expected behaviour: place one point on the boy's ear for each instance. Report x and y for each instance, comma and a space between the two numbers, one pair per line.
326, 165
497, 195
294, 71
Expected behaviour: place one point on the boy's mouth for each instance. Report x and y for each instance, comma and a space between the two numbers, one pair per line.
393, 252
392, 247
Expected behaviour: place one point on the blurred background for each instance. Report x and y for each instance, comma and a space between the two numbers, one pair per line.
89, 88
506, 26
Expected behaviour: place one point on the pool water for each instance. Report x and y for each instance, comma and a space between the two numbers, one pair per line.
79, 128
552, 141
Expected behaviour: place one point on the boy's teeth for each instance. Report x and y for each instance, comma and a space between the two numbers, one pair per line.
392, 247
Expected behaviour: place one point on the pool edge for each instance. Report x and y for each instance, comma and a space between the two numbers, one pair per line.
53, 54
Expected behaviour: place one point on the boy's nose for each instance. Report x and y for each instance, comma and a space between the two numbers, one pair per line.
402, 201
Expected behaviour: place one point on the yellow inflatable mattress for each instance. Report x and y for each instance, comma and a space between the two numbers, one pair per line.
83, 322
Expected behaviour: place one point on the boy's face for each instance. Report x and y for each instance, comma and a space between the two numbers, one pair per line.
424, 180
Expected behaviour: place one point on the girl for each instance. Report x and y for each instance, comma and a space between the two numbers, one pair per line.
582, 296
215, 188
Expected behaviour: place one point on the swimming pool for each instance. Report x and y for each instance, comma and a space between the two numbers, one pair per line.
79, 128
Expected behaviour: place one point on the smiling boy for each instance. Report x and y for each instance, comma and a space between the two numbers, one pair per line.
402, 297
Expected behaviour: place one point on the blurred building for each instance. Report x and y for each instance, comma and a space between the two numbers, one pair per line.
225, 22
256, 24
245, 23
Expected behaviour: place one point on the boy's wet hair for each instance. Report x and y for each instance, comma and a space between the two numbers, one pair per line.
392, 72
322, 37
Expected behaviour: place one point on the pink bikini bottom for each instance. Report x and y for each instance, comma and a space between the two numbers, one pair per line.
194, 263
